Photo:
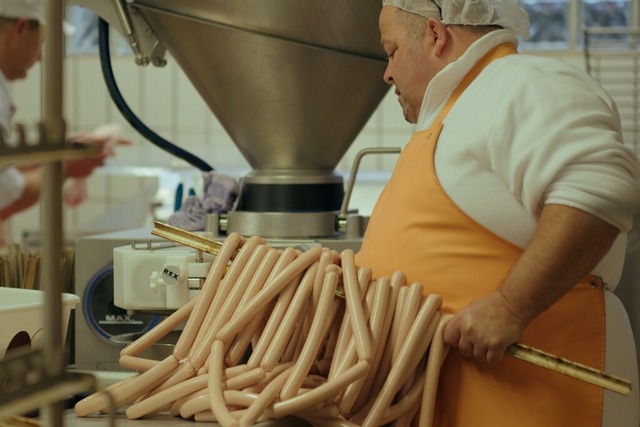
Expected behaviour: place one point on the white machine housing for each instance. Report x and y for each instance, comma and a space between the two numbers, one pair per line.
158, 277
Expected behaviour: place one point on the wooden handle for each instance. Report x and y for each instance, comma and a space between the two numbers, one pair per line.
572, 369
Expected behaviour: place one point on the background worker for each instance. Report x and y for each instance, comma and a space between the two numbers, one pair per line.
21, 23
512, 201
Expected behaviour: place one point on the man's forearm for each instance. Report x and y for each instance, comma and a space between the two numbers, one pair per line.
567, 245
30, 194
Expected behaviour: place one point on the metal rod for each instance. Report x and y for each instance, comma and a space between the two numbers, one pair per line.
354, 172
35, 154
572, 369
186, 238
127, 30
51, 200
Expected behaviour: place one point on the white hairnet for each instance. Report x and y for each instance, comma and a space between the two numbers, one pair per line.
504, 13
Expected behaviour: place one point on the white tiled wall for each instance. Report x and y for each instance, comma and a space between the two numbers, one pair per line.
167, 103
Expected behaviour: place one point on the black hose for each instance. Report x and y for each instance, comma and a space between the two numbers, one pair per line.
116, 96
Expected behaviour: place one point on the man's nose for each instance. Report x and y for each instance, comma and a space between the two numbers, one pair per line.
388, 79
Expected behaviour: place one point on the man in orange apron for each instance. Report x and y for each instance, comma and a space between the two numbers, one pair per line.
512, 201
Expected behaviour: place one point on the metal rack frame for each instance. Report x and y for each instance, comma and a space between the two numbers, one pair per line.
40, 376
612, 56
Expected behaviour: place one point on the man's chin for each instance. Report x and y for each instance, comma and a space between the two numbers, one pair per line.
408, 117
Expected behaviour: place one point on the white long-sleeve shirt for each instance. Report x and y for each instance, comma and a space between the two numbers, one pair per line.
509, 147
11, 180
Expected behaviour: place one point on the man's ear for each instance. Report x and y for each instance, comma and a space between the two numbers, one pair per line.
20, 26
438, 31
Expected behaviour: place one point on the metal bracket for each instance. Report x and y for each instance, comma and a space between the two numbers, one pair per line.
25, 385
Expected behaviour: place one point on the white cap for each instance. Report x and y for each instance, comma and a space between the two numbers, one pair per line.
504, 13
28, 9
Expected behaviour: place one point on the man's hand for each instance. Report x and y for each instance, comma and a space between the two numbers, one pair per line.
106, 137
83, 167
484, 329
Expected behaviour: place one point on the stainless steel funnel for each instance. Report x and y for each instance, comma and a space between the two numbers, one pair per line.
292, 81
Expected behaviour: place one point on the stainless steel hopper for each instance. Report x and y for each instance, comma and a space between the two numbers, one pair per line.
292, 81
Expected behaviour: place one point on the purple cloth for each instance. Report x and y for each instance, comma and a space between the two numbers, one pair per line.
220, 193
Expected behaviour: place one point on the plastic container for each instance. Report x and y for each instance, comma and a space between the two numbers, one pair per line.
22, 318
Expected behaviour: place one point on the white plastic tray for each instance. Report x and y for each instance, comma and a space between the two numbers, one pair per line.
22, 318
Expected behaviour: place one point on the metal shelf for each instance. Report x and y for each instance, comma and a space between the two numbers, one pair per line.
26, 385
26, 148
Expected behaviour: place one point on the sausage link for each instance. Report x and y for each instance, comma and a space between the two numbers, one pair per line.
243, 339
164, 398
356, 312
215, 382
414, 343
260, 348
226, 300
291, 317
270, 290
160, 330
265, 398
314, 340
376, 320
190, 331
322, 393
437, 354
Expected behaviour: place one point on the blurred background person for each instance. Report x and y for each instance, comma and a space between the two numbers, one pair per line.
21, 27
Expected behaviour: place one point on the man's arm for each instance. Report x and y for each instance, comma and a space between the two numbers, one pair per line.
105, 137
32, 175
30, 194
567, 245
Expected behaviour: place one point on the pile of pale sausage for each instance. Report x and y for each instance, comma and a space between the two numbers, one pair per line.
277, 333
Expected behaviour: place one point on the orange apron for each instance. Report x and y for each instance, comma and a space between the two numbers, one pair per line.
417, 229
